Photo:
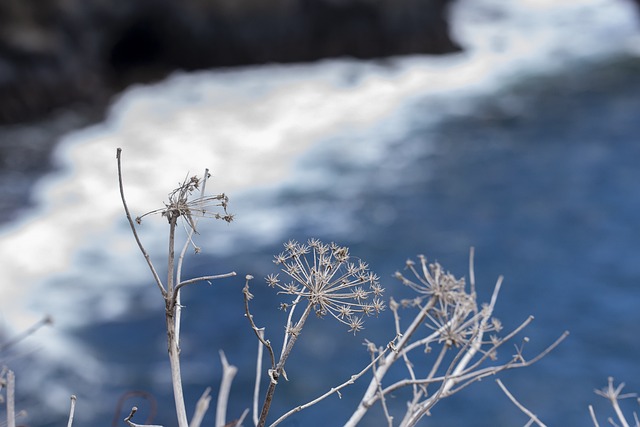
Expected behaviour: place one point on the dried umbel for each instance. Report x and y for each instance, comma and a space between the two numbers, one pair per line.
326, 276
180, 205
454, 312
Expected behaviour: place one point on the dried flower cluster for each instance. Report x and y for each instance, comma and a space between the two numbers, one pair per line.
179, 204
325, 276
454, 312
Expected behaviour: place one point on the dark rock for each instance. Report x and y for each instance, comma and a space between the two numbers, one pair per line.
58, 52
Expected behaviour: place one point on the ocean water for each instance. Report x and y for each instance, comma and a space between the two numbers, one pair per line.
525, 146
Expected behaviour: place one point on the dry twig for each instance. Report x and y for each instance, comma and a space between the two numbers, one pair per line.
531, 415
72, 410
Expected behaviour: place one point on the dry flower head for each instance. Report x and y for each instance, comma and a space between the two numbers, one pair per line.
181, 204
455, 312
330, 280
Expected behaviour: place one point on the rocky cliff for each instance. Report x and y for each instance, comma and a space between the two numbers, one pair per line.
54, 53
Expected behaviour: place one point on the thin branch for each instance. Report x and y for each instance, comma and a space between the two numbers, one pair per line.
333, 390
153, 405
369, 397
190, 234
396, 320
477, 342
72, 410
439, 359
619, 414
256, 388
238, 422
275, 374
472, 274
472, 376
133, 227
228, 372
289, 324
132, 424
174, 361
470, 349
256, 330
200, 279
201, 408
498, 344
11, 399
520, 406
415, 414
492, 370
383, 400
192, 230
46, 320
171, 257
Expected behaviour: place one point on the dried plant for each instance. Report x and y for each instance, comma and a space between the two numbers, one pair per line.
180, 205
455, 334
325, 280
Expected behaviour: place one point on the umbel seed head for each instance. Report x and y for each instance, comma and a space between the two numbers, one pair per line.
330, 280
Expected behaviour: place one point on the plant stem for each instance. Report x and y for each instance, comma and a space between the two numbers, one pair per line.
133, 227
295, 333
11, 401
172, 341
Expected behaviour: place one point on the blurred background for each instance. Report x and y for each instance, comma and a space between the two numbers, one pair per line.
395, 128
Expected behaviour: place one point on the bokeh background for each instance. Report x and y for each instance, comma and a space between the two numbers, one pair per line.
395, 128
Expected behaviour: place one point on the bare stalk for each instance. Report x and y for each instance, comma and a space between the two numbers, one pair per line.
619, 414
477, 374
72, 410
481, 328
294, 304
174, 352
184, 283
593, 416
256, 388
520, 406
133, 227
418, 409
186, 245
258, 331
46, 320
396, 320
228, 373
369, 397
132, 424
201, 408
277, 372
11, 399
333, 390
